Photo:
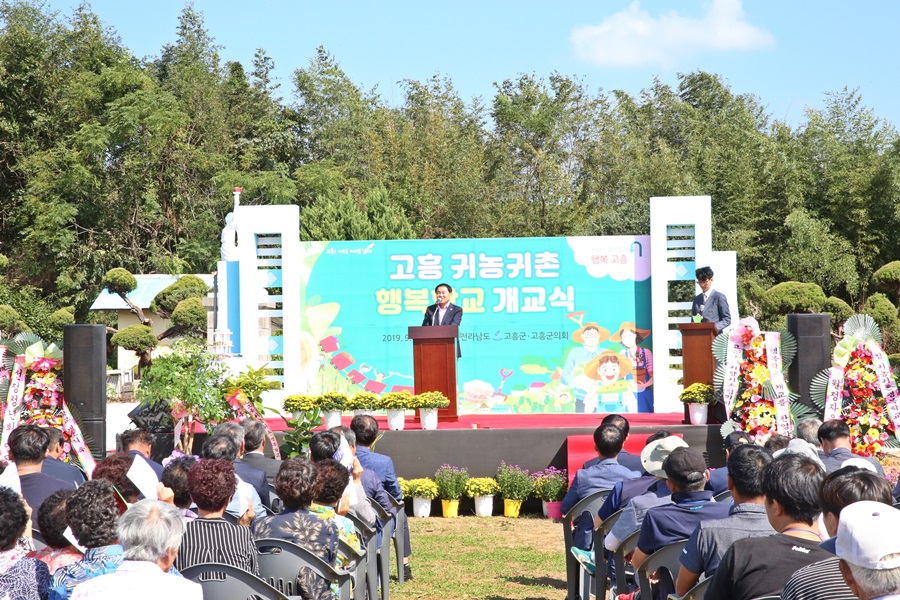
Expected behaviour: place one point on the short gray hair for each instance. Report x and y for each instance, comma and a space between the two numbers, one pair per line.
808, 431
254, 434
348, 434
231, 430
877, 582
149, 529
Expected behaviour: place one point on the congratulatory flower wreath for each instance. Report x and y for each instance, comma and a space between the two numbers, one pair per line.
31, 392
750, 381
859, 388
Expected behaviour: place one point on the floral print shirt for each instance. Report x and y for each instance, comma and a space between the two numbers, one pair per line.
310, 532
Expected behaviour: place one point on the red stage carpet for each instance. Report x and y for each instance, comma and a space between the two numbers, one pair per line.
522, 421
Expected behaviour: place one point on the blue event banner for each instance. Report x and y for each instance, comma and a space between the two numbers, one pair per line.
549, 324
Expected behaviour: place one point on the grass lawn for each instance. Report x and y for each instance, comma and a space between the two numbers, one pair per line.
494, 558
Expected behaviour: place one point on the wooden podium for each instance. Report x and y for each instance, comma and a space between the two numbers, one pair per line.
698, 362
434, 363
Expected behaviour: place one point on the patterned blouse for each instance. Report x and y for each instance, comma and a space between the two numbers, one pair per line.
97, 561
56, 558
22, 578
345, 527
312, 533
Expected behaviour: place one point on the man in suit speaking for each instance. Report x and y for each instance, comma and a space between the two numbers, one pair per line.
444, 312
711, 305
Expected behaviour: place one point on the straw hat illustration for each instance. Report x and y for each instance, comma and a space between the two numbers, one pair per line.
629, 326
592, 367
577, 336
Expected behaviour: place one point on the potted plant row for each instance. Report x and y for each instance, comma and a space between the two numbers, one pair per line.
550, 485
331, 404
698, 397
516, 485
422, 491
451, 484
513, 482
482, 490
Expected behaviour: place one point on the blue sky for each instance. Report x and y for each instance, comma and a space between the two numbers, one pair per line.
789, 54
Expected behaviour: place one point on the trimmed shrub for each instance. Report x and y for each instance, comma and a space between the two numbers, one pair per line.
119, 281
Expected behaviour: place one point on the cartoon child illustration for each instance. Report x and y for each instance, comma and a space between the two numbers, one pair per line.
631, 337
589, 335
614, 392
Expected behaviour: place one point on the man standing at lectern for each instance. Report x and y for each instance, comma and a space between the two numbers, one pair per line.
711, 305
444, 312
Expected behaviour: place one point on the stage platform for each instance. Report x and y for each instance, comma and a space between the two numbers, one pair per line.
481, 441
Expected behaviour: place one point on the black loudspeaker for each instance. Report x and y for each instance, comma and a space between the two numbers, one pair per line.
813, 333
84, 370
94, 431
155, 419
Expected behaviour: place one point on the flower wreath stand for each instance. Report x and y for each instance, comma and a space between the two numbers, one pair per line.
750, 381
859, 388
34, 395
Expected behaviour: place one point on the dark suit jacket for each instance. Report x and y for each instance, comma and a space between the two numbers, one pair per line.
157, 468
262, 462
715, 310
255, 477
62, 471
453, 316
37, 487
384, 469
718, 480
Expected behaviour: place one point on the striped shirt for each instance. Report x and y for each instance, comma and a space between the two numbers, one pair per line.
818, 581
217, 540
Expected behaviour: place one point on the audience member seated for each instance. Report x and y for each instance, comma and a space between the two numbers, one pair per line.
325, 445
625, 458
139, 442
92, 512
27, 448
686, 476
652, 457
52, 522
627, 489
296, 485
221, 447
114, 469
603, 475
746, 518
332, 480
366, 429
175, 477
53, 466
834, 436
210, 538
808, 431
718, 478
150, 533
250, 474
757, 567
254, 449
823, 580
21, 578
869, 559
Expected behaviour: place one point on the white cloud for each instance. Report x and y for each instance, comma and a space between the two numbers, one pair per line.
632, 37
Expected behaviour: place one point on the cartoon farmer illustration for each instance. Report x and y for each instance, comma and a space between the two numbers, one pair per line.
589, 335
613, 391
631, 337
